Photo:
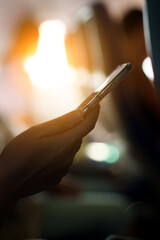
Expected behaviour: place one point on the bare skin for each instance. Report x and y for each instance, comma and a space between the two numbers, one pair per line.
40, 157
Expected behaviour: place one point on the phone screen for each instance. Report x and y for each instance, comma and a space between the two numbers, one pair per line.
105, 87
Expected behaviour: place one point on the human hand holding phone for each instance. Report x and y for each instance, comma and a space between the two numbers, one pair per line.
39, 157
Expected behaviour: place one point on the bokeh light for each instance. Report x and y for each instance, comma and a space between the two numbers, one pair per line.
49, 66
148, 69
102, 152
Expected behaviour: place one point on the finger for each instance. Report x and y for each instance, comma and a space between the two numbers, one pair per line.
69, 153
74, 148
83, 128
60, 124
70, 136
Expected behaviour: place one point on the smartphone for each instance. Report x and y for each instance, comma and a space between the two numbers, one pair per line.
105, 87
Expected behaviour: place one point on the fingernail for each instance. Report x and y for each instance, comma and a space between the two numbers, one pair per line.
79, 114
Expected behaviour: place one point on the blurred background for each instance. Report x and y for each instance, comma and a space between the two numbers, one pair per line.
53, 53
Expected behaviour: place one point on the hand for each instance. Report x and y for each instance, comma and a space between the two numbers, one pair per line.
39, 157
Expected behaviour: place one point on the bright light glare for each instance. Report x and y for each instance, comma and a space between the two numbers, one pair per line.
147, 68
49, 67
102, 152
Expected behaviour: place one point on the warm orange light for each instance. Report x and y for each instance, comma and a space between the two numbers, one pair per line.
49, 67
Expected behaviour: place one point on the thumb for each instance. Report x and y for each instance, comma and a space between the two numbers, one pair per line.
61, 124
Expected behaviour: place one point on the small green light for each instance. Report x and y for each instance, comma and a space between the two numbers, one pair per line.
113, 155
